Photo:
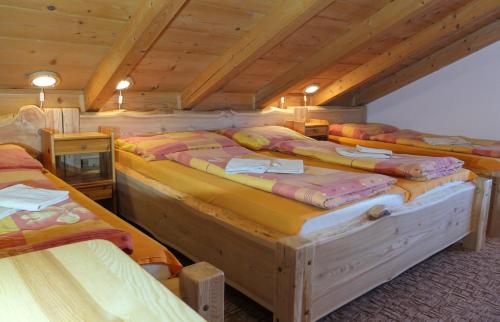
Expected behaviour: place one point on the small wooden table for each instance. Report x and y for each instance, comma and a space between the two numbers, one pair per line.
87, 281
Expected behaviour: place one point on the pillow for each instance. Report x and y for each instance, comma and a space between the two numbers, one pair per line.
15, 157
262, 137
156, 147
360, 130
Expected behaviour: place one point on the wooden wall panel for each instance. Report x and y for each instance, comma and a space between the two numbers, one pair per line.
144, 101
12, 100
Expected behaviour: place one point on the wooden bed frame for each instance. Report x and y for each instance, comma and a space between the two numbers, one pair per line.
299, 278
200, 285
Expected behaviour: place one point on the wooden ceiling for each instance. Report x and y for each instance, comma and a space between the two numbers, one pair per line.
206, 54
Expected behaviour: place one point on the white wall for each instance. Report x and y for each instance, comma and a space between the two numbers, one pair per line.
462, 98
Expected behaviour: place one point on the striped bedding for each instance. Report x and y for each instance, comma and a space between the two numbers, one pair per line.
64, 223
418, 168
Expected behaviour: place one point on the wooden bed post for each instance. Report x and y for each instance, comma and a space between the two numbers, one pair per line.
293, 288
202, 288
476, 239
494, 220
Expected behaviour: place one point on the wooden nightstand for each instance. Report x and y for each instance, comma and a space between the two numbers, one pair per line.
85, 160
314, 128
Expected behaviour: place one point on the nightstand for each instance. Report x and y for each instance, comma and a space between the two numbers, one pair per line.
314, 128
84, 160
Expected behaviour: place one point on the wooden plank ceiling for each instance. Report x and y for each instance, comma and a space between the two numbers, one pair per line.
206, 54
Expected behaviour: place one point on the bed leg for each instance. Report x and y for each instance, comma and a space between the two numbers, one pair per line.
292, 293
494, 220
476, 239
202, 288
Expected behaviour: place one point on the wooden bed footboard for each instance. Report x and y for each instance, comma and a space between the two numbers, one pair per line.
302, 278
319, 273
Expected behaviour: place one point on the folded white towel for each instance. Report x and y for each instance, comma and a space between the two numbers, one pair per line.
364, 149
452, 140
360, 155
286, 166
238, 165
23, 197
6, 212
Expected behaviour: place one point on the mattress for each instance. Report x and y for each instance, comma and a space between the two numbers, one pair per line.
154, 257
479, 164
283, 215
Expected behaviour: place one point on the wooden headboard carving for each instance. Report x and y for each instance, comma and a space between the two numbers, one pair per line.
128, 123
24, 127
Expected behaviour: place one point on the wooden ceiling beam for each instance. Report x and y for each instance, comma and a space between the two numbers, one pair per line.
134, 41
358, 36
457, 50
273, 29
469, 18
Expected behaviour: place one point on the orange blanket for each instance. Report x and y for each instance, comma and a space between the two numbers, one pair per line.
63, 223
100, 224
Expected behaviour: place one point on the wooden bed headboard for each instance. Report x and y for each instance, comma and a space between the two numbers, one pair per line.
23, 128
128, 123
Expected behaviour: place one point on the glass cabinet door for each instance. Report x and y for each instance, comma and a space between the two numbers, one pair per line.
84, 167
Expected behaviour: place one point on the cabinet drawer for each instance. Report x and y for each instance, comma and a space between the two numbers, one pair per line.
98, 192
81, 146
316, 131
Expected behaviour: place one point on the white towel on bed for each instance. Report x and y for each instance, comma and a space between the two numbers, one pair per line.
364, 149
361, 155
6, 212
23, 197
238, 165
286, 166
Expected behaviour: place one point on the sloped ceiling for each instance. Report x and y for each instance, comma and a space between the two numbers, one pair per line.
206, 54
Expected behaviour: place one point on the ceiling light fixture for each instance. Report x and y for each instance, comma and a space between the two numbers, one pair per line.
122, 85
42, 80
311, 89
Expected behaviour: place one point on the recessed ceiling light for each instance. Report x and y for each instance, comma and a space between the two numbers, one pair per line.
44, 79
124, 84
311, 89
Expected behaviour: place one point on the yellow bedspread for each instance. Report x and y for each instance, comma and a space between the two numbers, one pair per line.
479, 164
280, 214
412, 188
